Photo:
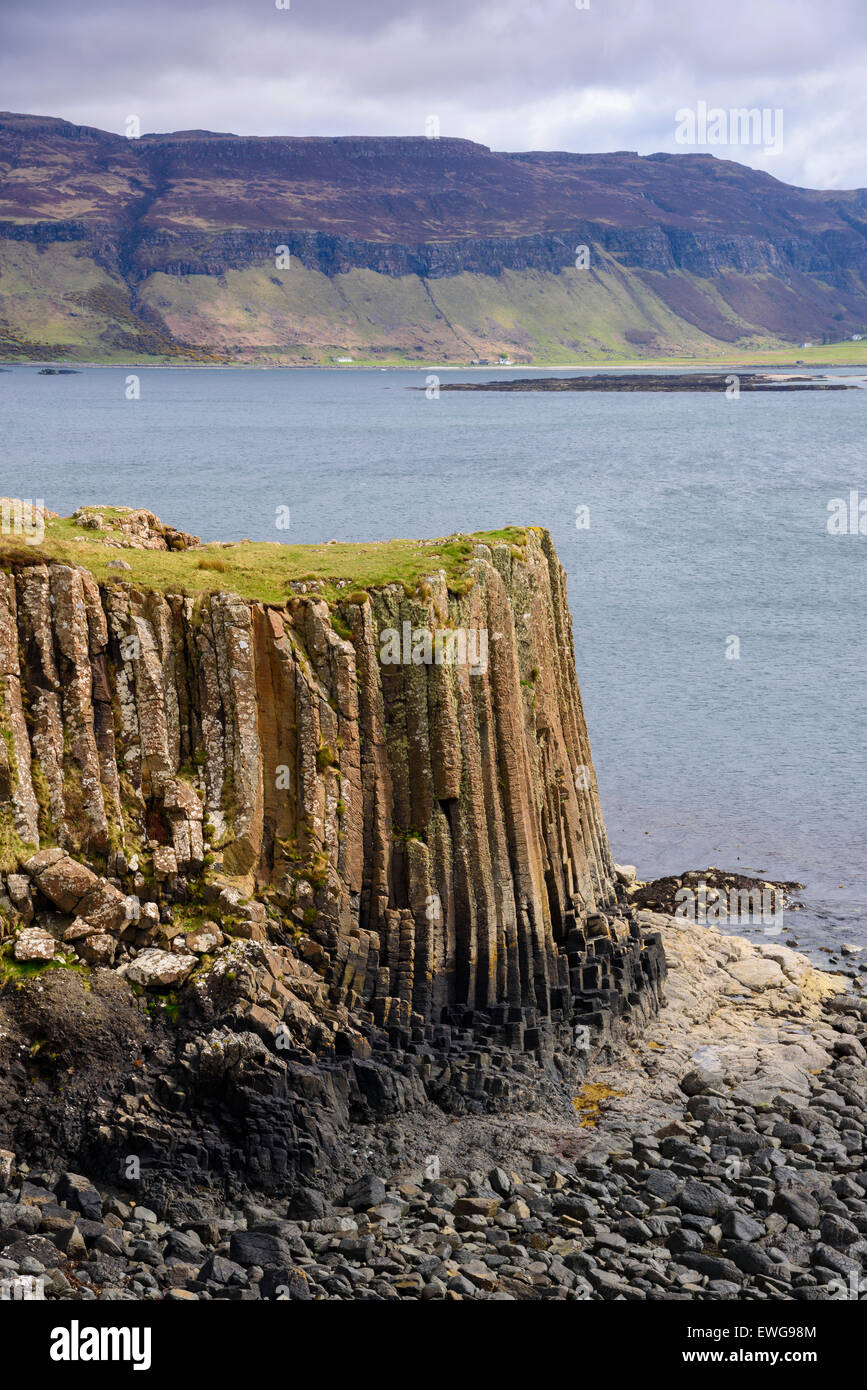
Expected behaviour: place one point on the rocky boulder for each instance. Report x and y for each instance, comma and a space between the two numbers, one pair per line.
34, 944
154, 969
18, 888
207, 938
97, 948
61, 878
134, 528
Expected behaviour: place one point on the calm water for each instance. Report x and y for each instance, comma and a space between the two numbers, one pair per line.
707, 521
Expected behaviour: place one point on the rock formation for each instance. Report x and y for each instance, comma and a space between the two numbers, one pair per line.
365, 881
317, 980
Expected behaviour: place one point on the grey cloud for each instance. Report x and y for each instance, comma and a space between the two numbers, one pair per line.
517, 74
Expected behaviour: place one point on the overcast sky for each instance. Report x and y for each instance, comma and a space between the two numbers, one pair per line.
513, 74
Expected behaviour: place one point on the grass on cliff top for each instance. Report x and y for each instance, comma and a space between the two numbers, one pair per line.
261, 570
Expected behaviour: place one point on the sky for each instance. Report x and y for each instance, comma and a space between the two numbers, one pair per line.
580, 75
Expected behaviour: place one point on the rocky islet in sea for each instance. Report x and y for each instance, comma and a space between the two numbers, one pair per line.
721, 382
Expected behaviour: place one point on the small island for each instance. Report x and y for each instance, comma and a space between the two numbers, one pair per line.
636, 381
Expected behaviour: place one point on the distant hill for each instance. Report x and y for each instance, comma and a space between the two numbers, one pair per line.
407, 249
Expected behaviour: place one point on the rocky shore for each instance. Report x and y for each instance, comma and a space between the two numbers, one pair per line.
721, 1156
318, 979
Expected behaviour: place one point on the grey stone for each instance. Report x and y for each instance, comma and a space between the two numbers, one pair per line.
366, 1191
741, 1227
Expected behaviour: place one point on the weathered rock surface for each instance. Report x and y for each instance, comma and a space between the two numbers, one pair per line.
362, 1007
159, 969
35, 944
435, 829
679, 1187
347, 888
133, 528
206, 939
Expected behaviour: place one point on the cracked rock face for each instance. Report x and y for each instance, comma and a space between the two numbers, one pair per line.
364, 883
433, 825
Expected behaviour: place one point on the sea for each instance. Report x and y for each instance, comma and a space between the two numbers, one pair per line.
717, 574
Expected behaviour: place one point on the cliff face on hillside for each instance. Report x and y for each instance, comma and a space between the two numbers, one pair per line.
331, 852
168, 245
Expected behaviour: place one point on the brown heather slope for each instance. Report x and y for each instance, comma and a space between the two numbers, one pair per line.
406, 248
391, 189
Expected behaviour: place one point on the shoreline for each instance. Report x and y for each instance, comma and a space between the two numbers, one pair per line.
322, 1106
717, 1156
662, 363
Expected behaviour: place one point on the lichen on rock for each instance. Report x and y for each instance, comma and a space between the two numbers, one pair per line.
429, 827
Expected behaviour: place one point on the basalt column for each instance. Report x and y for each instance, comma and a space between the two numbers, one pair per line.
427, 827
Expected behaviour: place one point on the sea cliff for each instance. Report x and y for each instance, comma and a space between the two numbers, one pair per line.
350, 840
317, 980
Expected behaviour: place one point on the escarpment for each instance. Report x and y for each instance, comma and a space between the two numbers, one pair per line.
360, 833
215, 247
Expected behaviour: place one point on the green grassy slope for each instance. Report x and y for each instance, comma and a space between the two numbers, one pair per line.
57, 302
406, 249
